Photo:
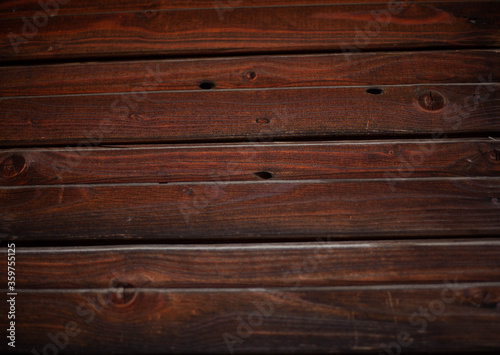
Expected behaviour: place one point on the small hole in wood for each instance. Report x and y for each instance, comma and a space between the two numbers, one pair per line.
207, 85
374, 91
262, 120
263, 175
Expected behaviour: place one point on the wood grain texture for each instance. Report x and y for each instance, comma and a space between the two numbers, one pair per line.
391, 68
462, 317
19, 8
244, 162
328, 28
304, 209
257, 265
257, 114
215, 235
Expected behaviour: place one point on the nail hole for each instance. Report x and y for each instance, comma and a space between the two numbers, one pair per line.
263, 175
374, 91
472, 20
494, 200
262, 120
207, 85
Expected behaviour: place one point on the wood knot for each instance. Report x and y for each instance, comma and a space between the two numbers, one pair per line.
482, 297
186, 190
250, 75
494, 155
123, 293
432, 100
12, 166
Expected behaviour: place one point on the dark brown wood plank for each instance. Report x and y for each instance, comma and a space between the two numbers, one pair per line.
244, 161
235, 211
461, 317
464, 66
19, 8
260, 114
332, 28
257, 265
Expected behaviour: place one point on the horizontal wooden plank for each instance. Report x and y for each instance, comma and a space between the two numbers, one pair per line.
456, 317
19, 8
257, 265
464, 66
257, 114
281, 210
244, 162
332, 28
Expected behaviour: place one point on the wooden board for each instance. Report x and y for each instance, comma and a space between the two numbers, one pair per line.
301, 297
203, 266
248, 162
330, 28
282, 210
251, 72
19, 8
250, 176
260, 114
338, 320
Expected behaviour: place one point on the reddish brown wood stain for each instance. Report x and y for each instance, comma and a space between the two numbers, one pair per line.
251, 176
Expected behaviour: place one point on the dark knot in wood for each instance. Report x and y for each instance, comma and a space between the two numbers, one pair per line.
12, 166
432, 100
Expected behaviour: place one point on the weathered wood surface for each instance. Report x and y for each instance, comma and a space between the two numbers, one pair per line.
296, 265
328, 28
284, 210
19, 8
462, 317
244, 162
260, 114
201, 122
277, 71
